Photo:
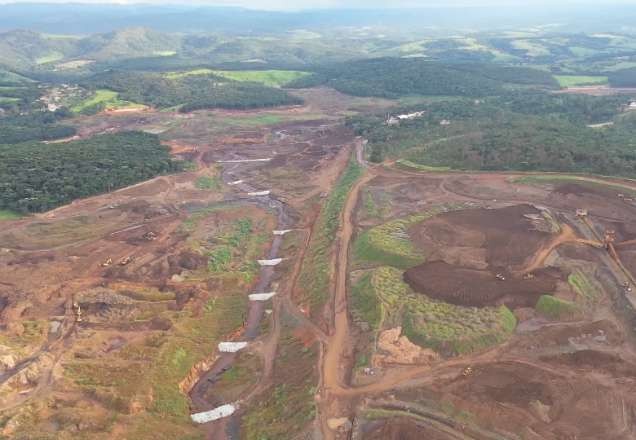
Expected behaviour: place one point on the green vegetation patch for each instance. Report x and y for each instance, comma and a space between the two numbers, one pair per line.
156, 366
103, 99
35, 177
208, 182
271, 78
389, 244
9, 215
584, 287
446, 328
556, 308
566, 81
408, 165
287, 409
316, 270
232, 250
190, 92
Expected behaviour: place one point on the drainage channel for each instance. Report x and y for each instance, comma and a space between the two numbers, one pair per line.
204, 410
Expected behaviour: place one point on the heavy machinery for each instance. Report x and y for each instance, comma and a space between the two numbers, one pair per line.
77, 309
125, 261
108, 262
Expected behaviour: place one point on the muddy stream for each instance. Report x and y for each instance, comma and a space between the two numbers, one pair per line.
256, 310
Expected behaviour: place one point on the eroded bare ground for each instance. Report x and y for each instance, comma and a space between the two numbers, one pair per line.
162, 270
161, 273
507, 244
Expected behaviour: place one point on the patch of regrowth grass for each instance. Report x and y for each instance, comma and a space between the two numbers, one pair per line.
584, 287
446, 328
316, 270
271, 78
8, 215
208, 183
102, 99
555, 308
365, 304
287, 409
409, 165
566, 81
389, 244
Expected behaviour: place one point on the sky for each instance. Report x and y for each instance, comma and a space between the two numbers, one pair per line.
312, 4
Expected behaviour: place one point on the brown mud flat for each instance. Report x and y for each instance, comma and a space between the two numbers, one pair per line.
473, 246
508, 235
480, 288
403, 428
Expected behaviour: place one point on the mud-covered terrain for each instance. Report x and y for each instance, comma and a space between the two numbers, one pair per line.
390, 303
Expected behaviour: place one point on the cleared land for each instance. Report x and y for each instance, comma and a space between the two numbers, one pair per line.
515, 323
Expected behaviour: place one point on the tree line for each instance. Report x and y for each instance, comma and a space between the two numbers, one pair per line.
36, 177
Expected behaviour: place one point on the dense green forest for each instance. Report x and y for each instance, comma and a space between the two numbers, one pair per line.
36, 177
36, 126
522, 131
397, 77
192, 92
623, 78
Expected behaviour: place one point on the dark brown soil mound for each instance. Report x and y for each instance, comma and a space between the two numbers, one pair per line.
507, 234
507, 384
405, 429
479, 288
597, 360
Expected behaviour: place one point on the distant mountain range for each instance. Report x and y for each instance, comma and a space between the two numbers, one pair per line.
95, 18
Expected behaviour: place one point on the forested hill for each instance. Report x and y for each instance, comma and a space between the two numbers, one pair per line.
36, 177
397, 77
524, 131
192, 92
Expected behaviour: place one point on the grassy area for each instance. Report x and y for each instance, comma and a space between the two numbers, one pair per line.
584, 287
231, 250
50, 58
8, 100
556, 308
287, 409
389, 244
103, 99
409, 165
148, 373
272, 78
446, 328
365, 303
316, 270
208, 182
9, 215
566, 81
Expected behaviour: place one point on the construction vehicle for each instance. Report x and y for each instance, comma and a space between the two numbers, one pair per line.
500, 277
581, 213
125, 261
467, 371
150, 236
78, 312
108, 262
528, 276
627, 287
609, 238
